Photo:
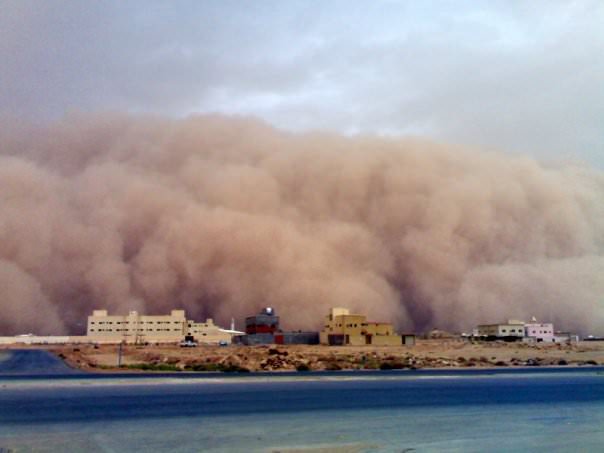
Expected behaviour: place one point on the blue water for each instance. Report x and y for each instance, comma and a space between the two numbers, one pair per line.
523, 410
33, 363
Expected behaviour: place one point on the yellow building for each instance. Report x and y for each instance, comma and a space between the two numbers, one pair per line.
136, 328
343, 328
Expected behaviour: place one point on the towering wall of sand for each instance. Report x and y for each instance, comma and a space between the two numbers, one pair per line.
222, 216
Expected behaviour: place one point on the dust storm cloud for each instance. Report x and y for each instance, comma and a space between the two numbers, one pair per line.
222, 216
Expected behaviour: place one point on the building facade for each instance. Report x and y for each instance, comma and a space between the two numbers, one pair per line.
263, 328
265, 322
209, 333
343, 328
512, 330
518, 330
567, 337
540, 332
137, 328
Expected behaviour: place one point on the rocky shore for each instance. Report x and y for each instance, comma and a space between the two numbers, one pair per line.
426, 354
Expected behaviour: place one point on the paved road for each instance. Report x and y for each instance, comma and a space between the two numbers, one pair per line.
32, 362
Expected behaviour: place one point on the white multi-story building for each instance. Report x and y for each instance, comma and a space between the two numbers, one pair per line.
511, 329
540, 332
514, 329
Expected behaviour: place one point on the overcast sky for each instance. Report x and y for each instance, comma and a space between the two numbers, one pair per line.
526, 76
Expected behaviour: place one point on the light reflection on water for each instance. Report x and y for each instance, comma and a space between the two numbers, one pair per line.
548, 413
509, 428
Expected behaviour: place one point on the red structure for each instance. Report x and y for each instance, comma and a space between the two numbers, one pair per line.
263, 328
264, 322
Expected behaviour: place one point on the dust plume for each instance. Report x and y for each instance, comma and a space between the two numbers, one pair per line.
222, 216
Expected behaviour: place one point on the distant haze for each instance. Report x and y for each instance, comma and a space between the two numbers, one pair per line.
222, 216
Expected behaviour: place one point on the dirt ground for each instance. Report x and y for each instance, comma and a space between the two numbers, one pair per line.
425, 354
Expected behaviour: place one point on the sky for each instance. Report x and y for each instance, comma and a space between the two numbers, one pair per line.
522, 77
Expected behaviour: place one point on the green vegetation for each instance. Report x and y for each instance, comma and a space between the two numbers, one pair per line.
370, 364
391, 365
333, 366
152, 367
221, 367
106, 367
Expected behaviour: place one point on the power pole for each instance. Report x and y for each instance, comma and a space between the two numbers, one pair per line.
119, 355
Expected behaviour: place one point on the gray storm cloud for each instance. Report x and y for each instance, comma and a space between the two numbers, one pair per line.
222, 216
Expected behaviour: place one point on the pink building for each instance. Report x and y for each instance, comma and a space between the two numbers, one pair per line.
540, 332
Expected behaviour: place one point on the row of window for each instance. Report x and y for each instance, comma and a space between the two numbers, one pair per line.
137, 330
530, 331
138, 322
364, 324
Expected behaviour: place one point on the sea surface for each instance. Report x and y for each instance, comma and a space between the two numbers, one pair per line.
544, 410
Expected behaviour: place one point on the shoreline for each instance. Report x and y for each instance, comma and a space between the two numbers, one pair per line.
447, 354
106, 380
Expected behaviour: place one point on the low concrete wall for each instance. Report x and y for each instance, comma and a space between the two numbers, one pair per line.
35, 340
386, 340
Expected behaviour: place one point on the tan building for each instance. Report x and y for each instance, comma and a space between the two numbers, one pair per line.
343, 328
136, 328
208, 332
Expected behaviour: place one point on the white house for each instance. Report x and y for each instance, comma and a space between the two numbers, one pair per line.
540, 332
511, 330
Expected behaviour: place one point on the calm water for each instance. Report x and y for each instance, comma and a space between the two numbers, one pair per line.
518, 411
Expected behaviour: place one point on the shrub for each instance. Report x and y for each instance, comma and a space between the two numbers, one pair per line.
234, 369
391, 366
333, 366
215, 367
202, 367
371, 365
152, 367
